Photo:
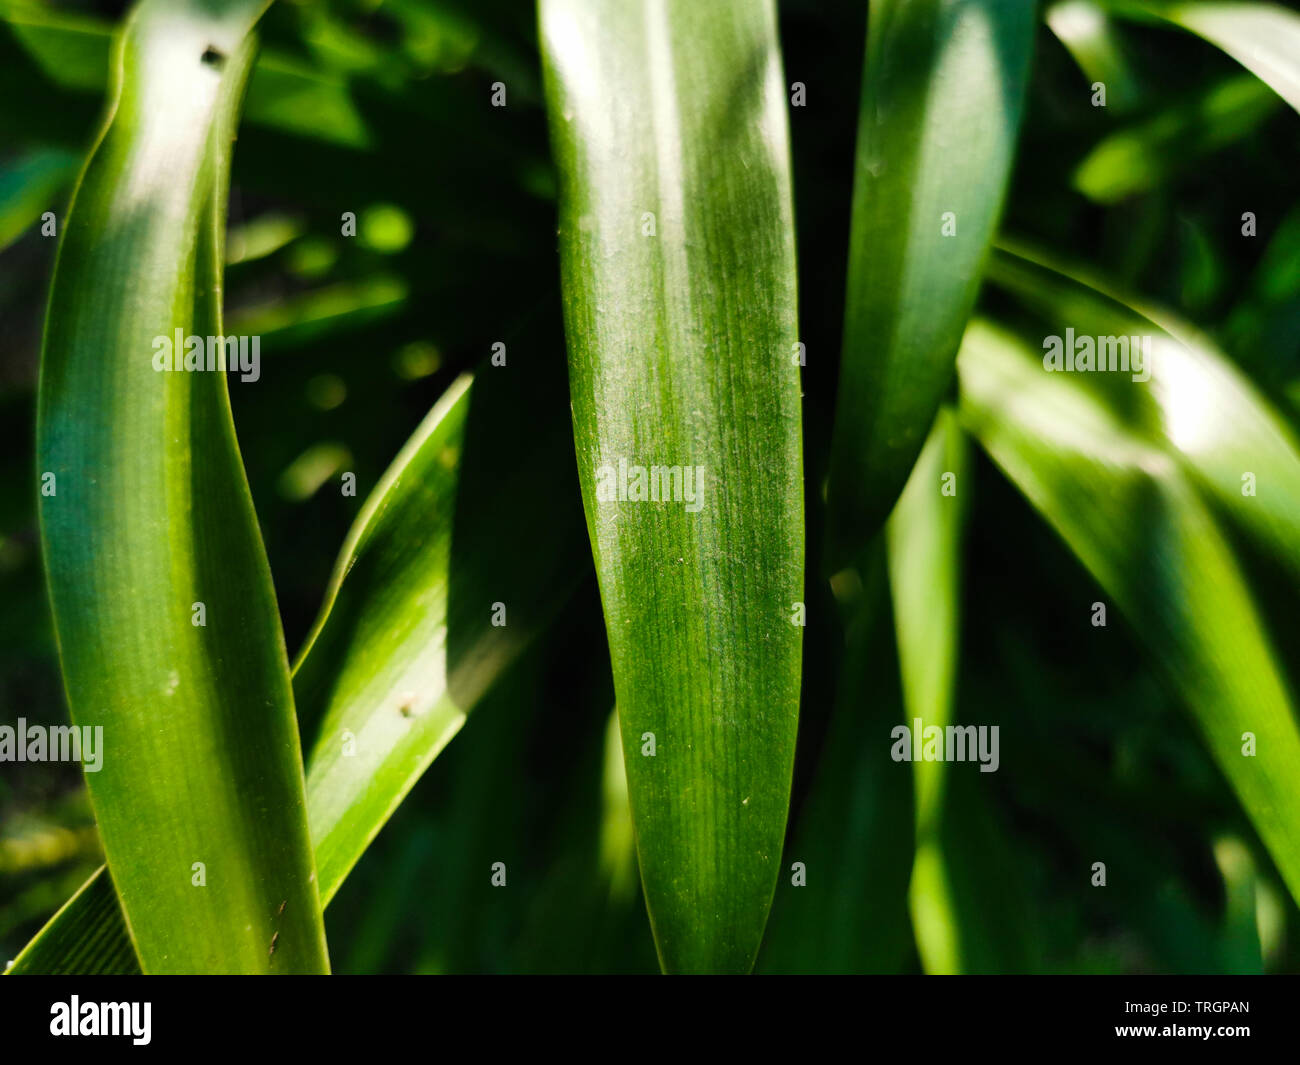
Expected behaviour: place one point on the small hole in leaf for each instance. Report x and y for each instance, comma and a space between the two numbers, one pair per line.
213, 58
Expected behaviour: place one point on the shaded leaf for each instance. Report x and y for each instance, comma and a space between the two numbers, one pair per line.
942, 100
1093, 40
404, 647
854, 834
1263, 38
1198, 405
1128, 512
1145, 156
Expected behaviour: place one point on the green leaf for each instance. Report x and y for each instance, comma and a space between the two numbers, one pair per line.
356, 673
166, 618
73, 52
70, 51
1199, 407
1261, 327
1240, 933
941, 106
439, 588
924, 549
86, 936
617, 834
967, 895
1127, 510
972, 907
677, 259
405, 646
924, 541
29, 185
1146, 155
1263, 38
289, 96
1091, 38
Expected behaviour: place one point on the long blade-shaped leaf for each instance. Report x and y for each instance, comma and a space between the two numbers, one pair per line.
677, 255
1130, 515
1263, 38
1099, 50
1198, 405
941, 105
924, 539
166, 618
87, 936
969, 916
404, 647
411, 637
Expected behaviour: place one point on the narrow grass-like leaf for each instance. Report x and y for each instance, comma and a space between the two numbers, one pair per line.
677, 255
357, 676
1197, 405
617, 836
969, 914
166, 619
86, 936
1131, 516
924, 542
1091, 38
1263, 38
942, 99
924, 539
404, 647
1241, 938
972, 907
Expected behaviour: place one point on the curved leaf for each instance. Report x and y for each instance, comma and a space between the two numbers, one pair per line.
941, 106
1127, 511
1263, 38
677, 257
1091, 38
410, 636
923, 535
404, 647
969, 907
86, 936
1198, 405
166, 619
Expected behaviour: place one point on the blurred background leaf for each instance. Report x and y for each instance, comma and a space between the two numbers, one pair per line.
1264, 38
